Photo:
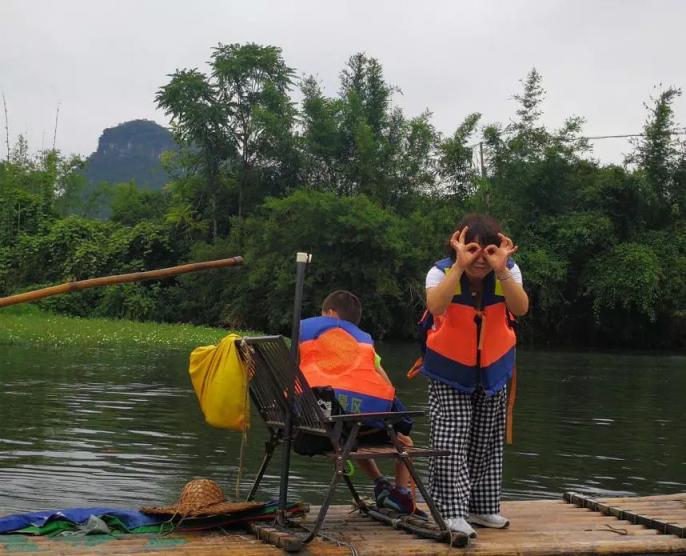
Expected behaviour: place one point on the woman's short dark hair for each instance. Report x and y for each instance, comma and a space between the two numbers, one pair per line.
346, 304
485, 227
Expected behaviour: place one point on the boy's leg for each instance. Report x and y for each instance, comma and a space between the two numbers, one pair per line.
382, 487
369, 468
402, 475
450, 414
485, 451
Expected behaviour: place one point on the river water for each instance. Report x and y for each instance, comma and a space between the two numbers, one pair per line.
123, 428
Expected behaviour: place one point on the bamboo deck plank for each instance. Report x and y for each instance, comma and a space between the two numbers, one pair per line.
665, 513
538, 528
673, 502
645, 499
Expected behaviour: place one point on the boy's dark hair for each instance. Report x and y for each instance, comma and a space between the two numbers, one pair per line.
485, 227
346, 304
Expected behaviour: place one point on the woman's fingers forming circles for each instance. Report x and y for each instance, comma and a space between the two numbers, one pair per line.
458, 238
490, 250
455, 240
473, 248
507, 244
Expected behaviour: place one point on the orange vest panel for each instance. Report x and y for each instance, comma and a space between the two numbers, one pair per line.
336, 359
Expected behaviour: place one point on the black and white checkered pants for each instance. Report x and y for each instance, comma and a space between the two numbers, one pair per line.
471, 427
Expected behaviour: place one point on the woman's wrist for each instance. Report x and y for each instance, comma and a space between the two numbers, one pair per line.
457, 267
503, 275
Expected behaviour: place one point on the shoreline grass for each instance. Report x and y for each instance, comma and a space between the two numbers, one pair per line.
30, 326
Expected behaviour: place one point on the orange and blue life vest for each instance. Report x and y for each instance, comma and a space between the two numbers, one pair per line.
336, 353
469, 347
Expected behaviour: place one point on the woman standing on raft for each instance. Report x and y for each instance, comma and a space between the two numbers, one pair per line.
473, 296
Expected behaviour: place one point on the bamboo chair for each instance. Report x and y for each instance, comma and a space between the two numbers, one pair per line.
281, 394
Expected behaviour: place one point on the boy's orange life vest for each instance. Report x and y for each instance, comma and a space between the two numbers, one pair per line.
467, 347
336, 353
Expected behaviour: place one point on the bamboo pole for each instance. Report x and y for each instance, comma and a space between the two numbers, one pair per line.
118, 279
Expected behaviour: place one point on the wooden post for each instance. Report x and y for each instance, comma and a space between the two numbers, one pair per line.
118, 279
57, 118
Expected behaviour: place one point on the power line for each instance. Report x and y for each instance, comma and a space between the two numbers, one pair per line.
480, 162
626, 135
596, 137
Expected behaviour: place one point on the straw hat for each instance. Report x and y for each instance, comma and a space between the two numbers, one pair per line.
202, 497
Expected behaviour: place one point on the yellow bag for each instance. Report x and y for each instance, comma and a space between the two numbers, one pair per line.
221, 384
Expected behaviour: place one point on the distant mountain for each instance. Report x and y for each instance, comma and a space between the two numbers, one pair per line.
130, 151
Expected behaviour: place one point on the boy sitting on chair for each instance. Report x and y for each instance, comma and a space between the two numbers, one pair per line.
335, 353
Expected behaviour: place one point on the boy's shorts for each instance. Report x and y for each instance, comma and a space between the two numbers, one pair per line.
369, 436
376, 434
372, 433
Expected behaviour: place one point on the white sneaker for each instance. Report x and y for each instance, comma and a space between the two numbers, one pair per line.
496, 521
459, 525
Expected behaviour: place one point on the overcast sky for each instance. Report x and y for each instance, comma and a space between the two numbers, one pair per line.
102, 61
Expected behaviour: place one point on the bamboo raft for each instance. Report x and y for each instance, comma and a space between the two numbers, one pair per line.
576, 525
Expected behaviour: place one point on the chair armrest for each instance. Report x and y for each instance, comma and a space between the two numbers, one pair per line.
386, 416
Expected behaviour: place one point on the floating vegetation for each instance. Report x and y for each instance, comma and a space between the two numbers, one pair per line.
39, 328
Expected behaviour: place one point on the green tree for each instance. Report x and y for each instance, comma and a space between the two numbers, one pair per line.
253, 82
131, 205
624, 285
359, 143
35, 190
198, 124
356, 245
235, 125
455, 160
659, 157
531, 169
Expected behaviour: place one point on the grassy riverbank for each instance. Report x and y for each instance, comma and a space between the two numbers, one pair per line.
28, 325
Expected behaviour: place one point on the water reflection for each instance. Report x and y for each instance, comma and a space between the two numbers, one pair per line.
104, 427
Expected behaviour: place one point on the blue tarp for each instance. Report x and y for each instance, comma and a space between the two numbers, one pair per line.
130, 518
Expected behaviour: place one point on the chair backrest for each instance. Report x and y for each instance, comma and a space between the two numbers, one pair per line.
278, 387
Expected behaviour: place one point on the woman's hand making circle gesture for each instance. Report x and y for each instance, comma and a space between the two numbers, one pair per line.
466, 254
497, 256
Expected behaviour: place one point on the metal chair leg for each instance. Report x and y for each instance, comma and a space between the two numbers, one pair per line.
358, 501
324, 508
407, 462
435, 513
341, 458
269, 448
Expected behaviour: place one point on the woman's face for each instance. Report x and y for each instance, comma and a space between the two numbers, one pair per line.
479, 268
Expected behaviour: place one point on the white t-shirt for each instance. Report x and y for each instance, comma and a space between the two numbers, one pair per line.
435, 276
